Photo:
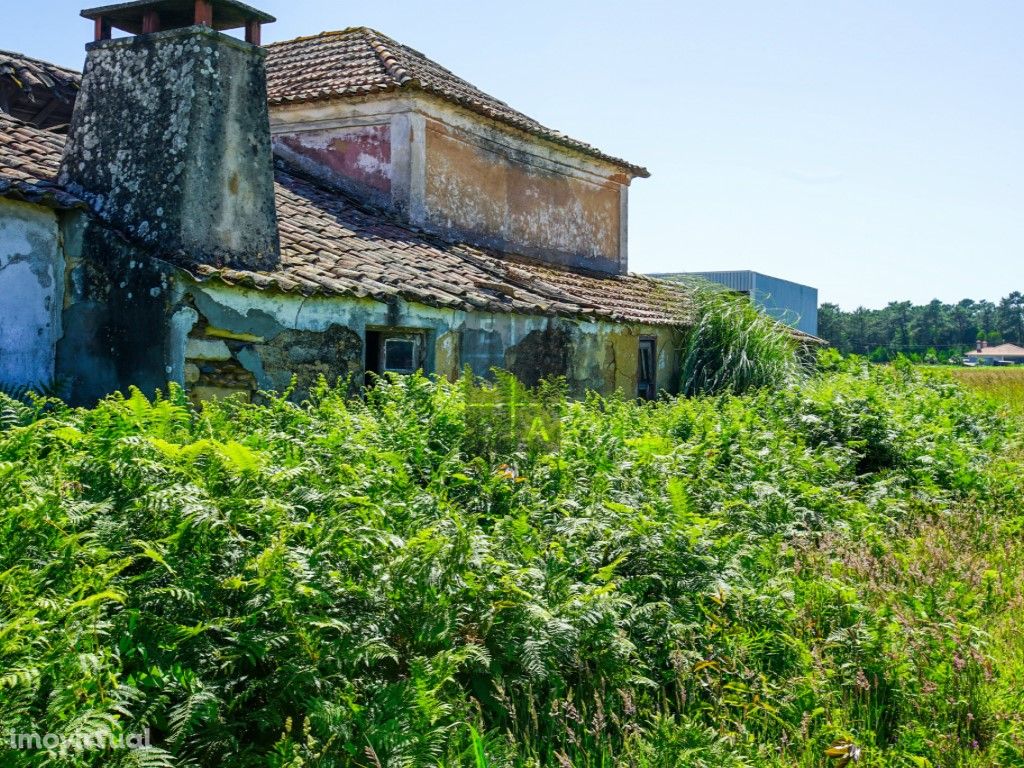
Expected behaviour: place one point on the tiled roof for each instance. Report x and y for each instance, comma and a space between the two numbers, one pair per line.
37, 91
29, 160
1011, 350
351, 63
360, 62
331, 245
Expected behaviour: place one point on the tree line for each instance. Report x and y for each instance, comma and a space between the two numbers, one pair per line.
934, 332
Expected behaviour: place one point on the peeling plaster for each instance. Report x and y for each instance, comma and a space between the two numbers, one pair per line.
31, 293
461, 175
600, 356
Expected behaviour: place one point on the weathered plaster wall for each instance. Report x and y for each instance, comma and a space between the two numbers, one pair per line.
450, 171
170, 142
234, 340
598, 356
115, 315
31, 293
273, 337
355, 158
486, 193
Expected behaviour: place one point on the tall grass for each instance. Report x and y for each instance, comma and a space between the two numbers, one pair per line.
1003, 385
416, 579
734, 347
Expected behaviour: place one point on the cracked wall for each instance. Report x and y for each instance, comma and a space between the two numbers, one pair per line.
240, 341
31, 293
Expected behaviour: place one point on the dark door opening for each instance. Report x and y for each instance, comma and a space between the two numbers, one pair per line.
647, 376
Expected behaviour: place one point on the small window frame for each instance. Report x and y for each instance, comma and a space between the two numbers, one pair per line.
387, 340
377, 342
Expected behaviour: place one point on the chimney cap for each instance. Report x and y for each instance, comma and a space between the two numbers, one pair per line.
129, 17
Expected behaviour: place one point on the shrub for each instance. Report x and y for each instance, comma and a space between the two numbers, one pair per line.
757, 580
734, 347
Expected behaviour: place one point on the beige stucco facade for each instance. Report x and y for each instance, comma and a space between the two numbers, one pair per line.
452, 172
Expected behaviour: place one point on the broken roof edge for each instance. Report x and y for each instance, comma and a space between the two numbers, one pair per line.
265, 282
41, 194
400, 78
73, 75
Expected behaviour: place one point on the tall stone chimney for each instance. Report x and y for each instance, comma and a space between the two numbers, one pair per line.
170, 139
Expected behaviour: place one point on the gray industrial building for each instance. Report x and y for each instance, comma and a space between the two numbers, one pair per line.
789, 302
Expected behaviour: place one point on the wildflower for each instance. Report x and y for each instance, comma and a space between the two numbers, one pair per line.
862, 681
805, 726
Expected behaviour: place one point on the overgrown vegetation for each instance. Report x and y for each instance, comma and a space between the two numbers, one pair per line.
1002, 385
734, 347
794, 577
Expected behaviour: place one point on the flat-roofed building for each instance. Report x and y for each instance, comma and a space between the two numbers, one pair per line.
792, 303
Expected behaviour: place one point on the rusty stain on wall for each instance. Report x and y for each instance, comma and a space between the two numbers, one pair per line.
357, 158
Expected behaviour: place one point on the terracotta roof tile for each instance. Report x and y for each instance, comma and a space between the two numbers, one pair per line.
331, 245
37, 91
359, 61
29, 160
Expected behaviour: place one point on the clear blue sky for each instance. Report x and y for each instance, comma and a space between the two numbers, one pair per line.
872, 148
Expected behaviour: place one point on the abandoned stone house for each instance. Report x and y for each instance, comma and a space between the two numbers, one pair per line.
199, 209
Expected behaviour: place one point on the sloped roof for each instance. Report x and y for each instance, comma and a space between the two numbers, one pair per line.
37, 91
354, 62
332, 246
1007, 350
361, 62
29, 160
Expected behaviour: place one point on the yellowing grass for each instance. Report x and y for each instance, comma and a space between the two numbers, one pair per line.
1003, 384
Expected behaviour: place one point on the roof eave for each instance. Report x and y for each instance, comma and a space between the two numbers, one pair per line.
635, 171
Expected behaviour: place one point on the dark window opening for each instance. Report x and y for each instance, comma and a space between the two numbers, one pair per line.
400, 354
647, 376
393, 352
